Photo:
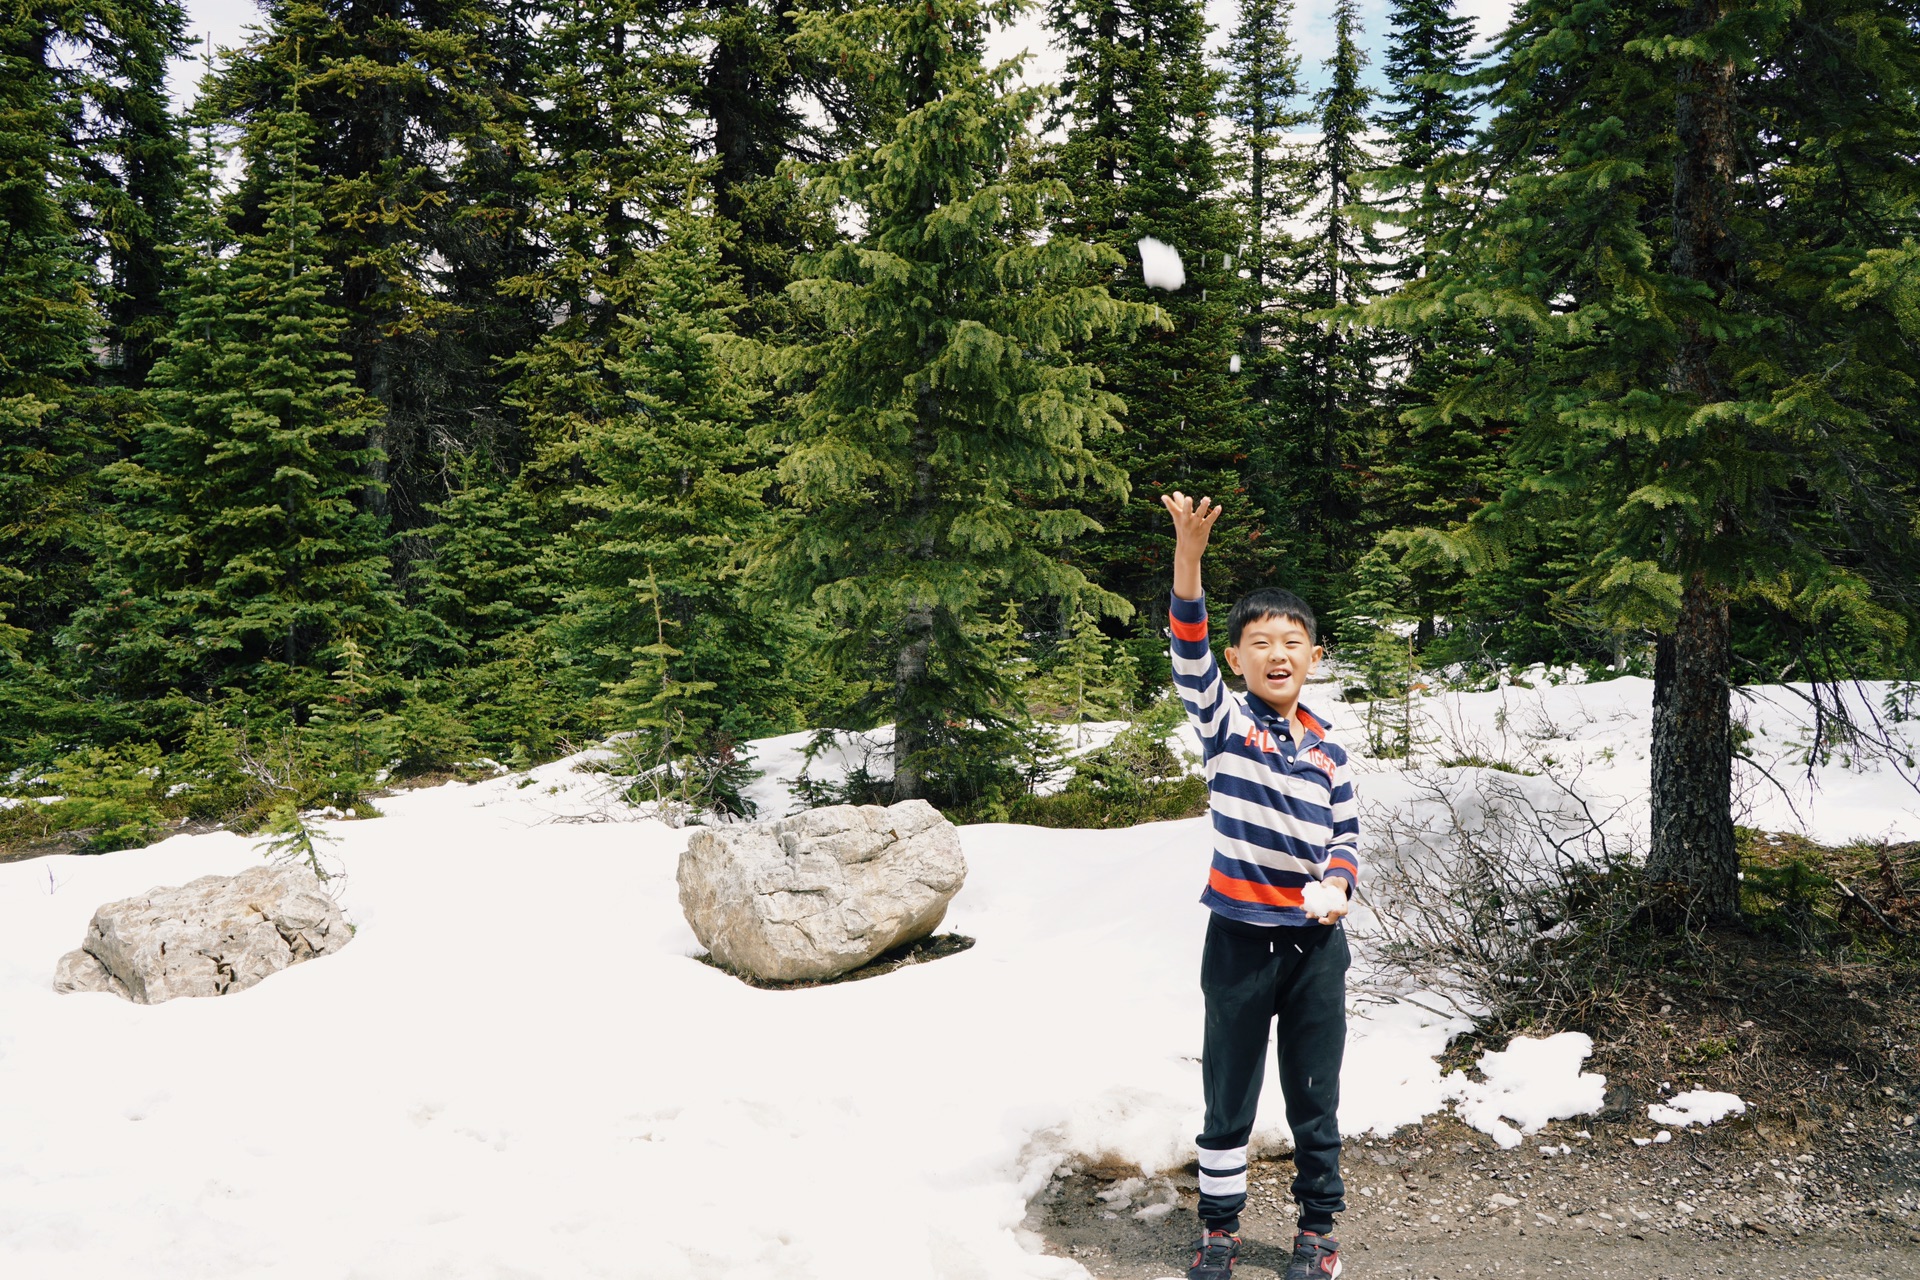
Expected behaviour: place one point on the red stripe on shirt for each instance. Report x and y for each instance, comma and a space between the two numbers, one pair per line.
1252, 891
1188, 630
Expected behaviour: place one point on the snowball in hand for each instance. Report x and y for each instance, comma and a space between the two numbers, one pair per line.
1160, 264
1318, 898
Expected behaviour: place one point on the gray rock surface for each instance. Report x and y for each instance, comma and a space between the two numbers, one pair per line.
212, 937
823, 891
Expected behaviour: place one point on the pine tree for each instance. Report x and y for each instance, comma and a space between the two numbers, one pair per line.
942, 430
1431, 473
1263, 87
240, 558
1428, 115
1704, 369
420, 148
768, 103
50, 441
1324, 392
104, 69
1139, 105
657, 612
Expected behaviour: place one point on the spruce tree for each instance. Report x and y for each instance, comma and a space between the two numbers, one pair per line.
656, 611
104, 68
479, 597
1139, 106
1263, 105
1707, 376
611, 134
1427, 116
943, 435
50, 437
1428, 473
420, 149
767, 102
640, 485
239, 557
1324, 397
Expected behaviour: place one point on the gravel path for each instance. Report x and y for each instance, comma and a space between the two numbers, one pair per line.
1750, 1199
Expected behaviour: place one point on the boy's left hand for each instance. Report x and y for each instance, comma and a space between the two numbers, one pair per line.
1334, 915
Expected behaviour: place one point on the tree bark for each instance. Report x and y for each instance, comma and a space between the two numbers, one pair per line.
911, 732
1693, 858
744, 92
910, 737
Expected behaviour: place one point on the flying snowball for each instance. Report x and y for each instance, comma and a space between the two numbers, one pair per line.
1317, 898
1233, 364
1160, 265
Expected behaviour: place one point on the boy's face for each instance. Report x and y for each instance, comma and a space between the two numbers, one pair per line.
1275, 656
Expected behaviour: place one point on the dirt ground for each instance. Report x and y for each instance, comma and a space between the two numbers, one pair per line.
1758, 1197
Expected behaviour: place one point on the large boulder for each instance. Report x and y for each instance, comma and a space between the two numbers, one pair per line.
822, 892
212, 937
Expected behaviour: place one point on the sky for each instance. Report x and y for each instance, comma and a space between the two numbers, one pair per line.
226, 22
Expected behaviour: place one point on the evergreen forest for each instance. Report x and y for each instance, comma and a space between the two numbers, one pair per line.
458, 383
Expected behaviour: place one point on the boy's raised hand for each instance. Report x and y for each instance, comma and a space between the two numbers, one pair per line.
1192, 522
1191, 526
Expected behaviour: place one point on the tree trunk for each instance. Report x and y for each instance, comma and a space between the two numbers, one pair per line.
910, 737
1106, 107
1693, 857
752, 132
380, 387
912, 733
1257, 190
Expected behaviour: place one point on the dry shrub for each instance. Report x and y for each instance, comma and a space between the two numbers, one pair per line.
1508, 896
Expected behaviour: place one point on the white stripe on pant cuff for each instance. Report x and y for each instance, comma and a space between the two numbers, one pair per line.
1228, 1184
1223, 1172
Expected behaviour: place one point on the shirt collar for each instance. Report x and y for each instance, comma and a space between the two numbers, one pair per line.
1314, 729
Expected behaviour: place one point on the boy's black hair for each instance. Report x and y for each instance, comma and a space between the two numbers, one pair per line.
1270, 602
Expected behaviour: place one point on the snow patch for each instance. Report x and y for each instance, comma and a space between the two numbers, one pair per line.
1695, 1106
1529, 1083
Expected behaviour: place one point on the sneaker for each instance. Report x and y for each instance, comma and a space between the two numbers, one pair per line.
1315, 1257
1213, 1256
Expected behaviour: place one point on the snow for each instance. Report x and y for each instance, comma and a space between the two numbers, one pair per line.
518, 1068
1318, 899
1695, 1106
1160, 265
1529, 1083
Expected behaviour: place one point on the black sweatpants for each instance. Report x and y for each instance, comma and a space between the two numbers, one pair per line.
1251, 975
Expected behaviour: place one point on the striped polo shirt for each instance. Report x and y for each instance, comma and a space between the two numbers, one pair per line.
1284, 812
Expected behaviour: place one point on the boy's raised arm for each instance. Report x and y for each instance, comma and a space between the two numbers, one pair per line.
1192, 525
1195, 674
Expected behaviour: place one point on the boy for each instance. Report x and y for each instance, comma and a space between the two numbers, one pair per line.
1285, 836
